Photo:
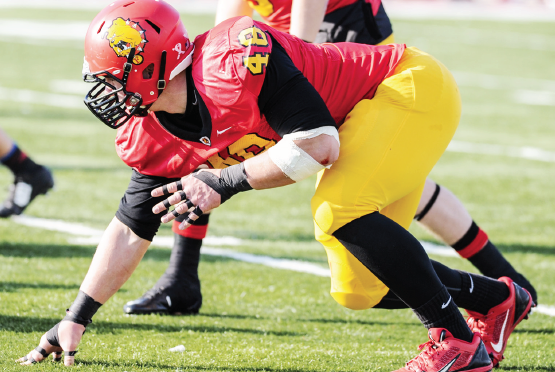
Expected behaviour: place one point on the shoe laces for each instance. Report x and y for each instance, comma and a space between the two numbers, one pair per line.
429, 350
484, 325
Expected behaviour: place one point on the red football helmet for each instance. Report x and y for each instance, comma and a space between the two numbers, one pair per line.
132, 49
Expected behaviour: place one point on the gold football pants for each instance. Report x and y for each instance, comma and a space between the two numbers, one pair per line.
389, 144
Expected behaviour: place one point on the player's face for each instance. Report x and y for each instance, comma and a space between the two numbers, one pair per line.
114, 86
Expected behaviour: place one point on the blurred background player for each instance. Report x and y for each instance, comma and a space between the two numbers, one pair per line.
30, 179
439, 210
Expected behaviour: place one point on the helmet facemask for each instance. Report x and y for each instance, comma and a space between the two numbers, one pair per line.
112, 103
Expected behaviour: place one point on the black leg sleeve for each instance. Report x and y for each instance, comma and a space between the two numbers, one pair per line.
449, 277
469, 291
392, 254
185, 256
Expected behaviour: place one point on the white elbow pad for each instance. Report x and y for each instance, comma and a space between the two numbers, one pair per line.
294, 161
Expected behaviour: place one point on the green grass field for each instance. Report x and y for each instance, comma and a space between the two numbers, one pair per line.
255, 318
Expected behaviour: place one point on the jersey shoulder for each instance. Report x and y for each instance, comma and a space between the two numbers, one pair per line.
233, 55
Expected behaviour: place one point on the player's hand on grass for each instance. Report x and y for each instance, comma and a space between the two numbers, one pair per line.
189, 195
67, 334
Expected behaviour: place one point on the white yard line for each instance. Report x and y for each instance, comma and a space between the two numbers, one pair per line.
72, 86
43, 30
419, 34
546, 310
530, 153
439, 250
502, 82
43, 98
71, 228
534, 98
90, 236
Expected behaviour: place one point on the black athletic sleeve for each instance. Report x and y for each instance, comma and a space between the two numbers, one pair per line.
135, 207
287, 99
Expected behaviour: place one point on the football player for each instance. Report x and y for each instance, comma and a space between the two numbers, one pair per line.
439, 211
30, 179
243, 88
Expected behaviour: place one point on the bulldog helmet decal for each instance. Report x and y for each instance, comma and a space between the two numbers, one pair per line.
124, 35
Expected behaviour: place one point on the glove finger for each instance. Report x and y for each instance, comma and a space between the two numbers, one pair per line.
192, 217
69, 357
167, 189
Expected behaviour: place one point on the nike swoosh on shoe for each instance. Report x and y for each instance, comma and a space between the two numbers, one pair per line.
448, 365
499, 345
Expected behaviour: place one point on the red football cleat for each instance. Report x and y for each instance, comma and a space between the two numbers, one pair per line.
445, 353
497, 325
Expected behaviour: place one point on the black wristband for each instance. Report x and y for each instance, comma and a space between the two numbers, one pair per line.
83, 309
236, 177
232, 180
76, 318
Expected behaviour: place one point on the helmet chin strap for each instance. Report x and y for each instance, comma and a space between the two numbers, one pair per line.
161, 85
161, 82
128, 66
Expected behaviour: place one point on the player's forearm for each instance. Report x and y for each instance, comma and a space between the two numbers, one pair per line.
116, 257
263, 172
306, 18
232, 8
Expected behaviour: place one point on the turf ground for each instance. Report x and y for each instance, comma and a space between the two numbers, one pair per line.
255, 318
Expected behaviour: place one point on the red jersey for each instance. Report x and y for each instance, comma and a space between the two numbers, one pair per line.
228, 69
277, 13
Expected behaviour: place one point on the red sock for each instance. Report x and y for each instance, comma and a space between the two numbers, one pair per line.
472, 242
